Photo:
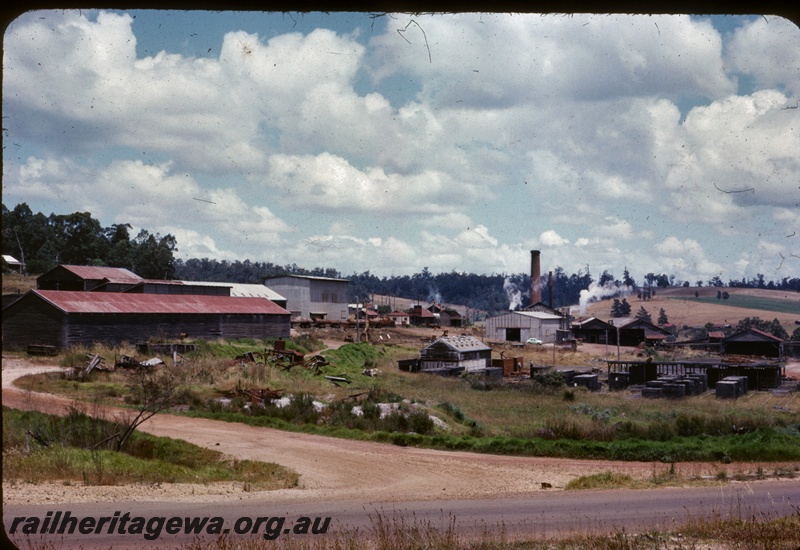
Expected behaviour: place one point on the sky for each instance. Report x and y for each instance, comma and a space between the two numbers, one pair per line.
457, 142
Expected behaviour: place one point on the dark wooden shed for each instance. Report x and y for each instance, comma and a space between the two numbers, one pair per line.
87, 277
633, 332
753, 342
594, 331
65, 318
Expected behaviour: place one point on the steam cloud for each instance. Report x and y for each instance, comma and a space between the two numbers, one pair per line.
434, 296
596, 292
514, 294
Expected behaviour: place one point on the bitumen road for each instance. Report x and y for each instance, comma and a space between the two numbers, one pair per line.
540, 514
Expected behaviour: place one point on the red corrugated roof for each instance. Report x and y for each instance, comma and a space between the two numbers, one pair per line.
423, 313
765, 334
115, 274
113, 302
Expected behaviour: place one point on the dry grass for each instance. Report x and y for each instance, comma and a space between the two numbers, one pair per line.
396, 532
682, 310
14, 283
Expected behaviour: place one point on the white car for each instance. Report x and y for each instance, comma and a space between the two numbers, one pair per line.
534, 341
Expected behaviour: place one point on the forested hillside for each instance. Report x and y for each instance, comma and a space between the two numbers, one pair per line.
43, 241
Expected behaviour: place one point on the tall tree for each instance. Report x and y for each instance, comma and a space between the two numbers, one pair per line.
121, 250
627, 280
82, 238
154, 257
644, 315
616, 308
605, 277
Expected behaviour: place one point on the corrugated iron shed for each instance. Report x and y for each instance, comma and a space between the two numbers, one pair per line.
113, 302
243, 289
111, 274
65, 318
539, 315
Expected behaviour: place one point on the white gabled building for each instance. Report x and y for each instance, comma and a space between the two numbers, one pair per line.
456, 353
518, 326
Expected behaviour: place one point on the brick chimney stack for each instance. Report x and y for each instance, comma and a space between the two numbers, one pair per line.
536, 277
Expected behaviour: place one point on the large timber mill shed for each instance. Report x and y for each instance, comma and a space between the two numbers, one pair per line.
310, 297
518, 326
65, 318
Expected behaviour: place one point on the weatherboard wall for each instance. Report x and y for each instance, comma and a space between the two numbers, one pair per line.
32, 320
440, 354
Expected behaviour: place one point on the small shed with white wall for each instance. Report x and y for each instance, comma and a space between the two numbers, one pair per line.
455, 352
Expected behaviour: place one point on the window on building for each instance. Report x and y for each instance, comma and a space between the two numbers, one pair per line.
333, 297
324, 296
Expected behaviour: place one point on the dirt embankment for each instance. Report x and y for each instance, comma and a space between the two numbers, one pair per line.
331, 469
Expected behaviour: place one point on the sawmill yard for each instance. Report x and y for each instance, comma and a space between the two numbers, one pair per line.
241, 381
354, 394
356, 391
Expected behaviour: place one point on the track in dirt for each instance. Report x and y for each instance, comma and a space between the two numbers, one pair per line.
349, 480
340, 469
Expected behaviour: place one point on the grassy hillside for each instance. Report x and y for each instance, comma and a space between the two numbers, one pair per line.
683, 308
14, 283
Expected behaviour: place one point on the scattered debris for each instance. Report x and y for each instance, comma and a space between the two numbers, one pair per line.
316, 362
255, 395
338, 380
127, 362
95, 361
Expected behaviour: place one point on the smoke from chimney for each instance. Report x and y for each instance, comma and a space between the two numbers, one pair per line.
536, 277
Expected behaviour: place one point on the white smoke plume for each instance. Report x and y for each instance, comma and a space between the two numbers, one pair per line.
596, 292
514, 294
434, 297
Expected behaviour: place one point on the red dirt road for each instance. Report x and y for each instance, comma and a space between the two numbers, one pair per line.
338, 469
351, 481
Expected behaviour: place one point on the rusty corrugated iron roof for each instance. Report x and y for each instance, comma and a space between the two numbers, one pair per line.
113, 302
112, 274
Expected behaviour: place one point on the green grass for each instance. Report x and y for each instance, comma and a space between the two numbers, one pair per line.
602, 480
766, 444
748, 302
526, 418
528, 421
70, 456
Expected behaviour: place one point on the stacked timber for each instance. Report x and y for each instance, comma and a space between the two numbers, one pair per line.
727, 389
590, 381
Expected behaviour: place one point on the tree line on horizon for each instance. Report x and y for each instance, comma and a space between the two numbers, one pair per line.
42, 242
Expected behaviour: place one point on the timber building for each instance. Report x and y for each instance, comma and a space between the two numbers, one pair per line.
65, 318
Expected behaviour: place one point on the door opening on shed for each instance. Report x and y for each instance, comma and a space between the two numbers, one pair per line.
513, 335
